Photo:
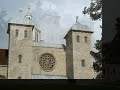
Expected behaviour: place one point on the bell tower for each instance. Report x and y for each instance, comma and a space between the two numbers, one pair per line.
20, 49
78, 47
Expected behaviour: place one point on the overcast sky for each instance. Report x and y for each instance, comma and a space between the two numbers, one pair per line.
67, 9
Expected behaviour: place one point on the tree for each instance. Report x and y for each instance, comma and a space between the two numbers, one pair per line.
95, 12
97, 65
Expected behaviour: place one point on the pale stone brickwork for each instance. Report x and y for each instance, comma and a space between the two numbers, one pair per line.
67, 58
20, 46
78, 51
3, 70
60, 61
81, 51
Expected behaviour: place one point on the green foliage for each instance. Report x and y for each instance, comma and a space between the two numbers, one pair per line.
97, 56
95, 10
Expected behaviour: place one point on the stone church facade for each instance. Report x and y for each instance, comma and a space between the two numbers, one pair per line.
31, 59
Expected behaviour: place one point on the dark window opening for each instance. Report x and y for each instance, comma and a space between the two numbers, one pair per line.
78, 38
20, 58
86, 39
25, 34
17, 31
83, 63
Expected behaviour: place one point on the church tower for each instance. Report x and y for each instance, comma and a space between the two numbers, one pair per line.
20, 49
78, 47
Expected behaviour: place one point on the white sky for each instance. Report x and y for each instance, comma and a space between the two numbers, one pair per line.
67, 9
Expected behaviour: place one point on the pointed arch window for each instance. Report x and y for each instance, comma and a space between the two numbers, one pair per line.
86, 39
25, 34
16, 33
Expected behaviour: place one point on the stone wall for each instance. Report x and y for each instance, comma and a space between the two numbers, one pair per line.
60, 59
20, 46
3, 70
81, 51
69, 56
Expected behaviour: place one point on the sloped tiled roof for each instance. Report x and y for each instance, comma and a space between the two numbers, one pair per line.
79, 26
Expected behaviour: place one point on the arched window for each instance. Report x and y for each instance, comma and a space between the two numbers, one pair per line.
78, 38
25, 34
83, 63
16, 33
20, 58
86, 39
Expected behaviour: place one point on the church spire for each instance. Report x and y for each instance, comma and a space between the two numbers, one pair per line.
28, 16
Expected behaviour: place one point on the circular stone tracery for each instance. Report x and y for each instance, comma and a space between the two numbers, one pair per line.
47, 62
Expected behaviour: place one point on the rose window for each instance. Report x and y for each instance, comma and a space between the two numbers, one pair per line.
47, 62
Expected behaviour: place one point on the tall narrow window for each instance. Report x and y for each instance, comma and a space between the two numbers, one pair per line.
78, 38
17, 31
25, 34
37, 37
20, 58
83, 63
86, 39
